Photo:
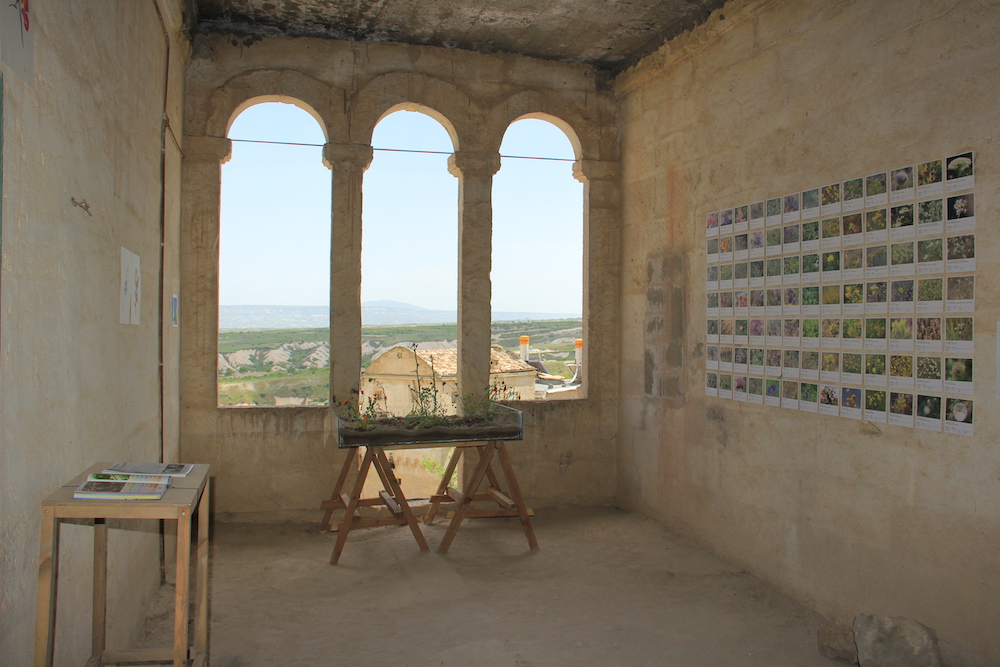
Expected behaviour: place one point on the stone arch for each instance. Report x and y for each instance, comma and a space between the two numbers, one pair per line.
566, 128
274, 85
565, 115
441, 100
427, 111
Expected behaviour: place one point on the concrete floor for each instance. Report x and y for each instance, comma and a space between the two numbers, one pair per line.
606, 588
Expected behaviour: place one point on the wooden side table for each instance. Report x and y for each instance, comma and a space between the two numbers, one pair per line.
185, 496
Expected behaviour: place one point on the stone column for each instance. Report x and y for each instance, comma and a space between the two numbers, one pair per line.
199, 259
600, 270
475, 170
349, 163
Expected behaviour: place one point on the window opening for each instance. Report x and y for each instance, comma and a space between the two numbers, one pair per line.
274, 262
537, 272
409, 283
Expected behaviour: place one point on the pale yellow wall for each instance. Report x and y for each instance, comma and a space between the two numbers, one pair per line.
781, 96
280, 463
76, 386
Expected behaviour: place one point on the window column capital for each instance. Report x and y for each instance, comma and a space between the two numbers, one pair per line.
595, 170
357, 157
207, 149
474, 164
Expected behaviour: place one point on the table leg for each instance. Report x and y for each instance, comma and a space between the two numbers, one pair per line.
201, 612
100, 585
485, 458
48, 575
183, 586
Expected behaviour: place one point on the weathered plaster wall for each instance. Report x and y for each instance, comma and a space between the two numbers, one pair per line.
76, 386
780, 96
274, 463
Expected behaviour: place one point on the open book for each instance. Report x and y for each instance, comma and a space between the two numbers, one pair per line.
168, 469
125, 477
102, 490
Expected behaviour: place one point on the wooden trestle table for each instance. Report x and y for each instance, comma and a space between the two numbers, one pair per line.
510, 502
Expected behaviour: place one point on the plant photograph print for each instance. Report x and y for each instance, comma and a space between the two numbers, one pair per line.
930, 250
929, 368
809, 360
875, 220
902, 179
831, 228
929, 173
901, 328
957, 369
810, 199
851, 398
853, 224
791, 203
875, 327
928, 328
851, 363
852, 328
831, 194
852, 258
876, 292
901, 404
961, 288
875, 256
875, 400
773, 207
960, 166
929, 407
875, 184
930, 211
958, 410
854, 189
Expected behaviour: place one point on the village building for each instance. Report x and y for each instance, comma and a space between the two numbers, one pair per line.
391, 379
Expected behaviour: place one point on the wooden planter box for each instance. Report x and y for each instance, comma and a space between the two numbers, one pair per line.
506, 424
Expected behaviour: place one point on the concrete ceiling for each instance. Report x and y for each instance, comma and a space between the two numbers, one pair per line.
608, 34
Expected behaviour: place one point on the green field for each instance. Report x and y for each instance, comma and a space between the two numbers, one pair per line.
257, 383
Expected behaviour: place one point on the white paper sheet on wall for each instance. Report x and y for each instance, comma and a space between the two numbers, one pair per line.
130, 289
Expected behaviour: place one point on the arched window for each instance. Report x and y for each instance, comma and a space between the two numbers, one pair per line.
274, 261
537, 272
409, 283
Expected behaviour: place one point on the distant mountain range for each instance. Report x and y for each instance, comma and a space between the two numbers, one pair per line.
372, 312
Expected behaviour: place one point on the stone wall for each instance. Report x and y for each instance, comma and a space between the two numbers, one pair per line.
77, 387
767, 98
280, 463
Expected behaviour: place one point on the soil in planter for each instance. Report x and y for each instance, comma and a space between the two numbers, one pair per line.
408, 429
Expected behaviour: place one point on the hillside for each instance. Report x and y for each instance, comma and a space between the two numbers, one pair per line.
373, 313
256, 365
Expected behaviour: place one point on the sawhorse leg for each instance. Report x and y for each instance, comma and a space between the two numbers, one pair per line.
388, 477
512, 505
352, 504
442, 490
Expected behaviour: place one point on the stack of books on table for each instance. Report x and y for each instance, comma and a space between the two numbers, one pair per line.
131, 481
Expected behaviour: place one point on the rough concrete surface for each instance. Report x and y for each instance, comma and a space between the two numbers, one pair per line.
605, 588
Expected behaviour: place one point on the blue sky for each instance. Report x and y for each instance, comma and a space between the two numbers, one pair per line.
275, 237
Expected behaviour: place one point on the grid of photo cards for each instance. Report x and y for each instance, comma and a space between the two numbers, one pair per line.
855, 299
